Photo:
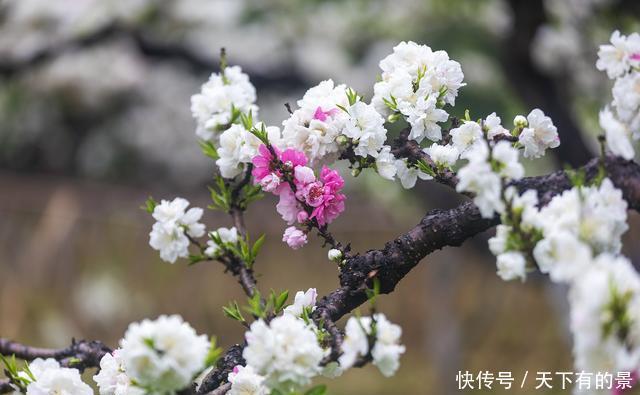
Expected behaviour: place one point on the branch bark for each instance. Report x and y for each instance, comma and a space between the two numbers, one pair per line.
81, 354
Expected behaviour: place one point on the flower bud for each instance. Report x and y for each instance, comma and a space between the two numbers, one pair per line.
334, 255
520, 121
355, 172
342, 139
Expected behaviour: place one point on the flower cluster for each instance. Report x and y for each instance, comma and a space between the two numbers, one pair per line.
225, 93
621, 119
175, 224
162, 355
284, 351
416, 83
112, 379
303, 196
48, 377
361, 332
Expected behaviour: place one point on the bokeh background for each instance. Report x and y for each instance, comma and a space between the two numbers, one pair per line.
94, 117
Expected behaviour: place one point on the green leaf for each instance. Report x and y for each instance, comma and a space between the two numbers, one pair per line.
317, 390
149, 205
280, 301
257, 246
209, 149
233, 311
214, 353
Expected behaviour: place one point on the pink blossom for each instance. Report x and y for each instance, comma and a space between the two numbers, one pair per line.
294, 237
302, 216
292, 158
288, 206
270, 182
323, 115
263, 163
313, 193
332, 204
635, 56
303, 175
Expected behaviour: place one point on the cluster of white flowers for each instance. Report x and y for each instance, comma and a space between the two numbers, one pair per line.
174, 224
162, 355
112, 379
51, 378
621, 119
486, 168
416, 82
605, 316
314, 127
284, 351
225, 91
245, 381
386, 348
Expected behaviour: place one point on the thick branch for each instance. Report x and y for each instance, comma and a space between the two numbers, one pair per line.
80, 354
5, 387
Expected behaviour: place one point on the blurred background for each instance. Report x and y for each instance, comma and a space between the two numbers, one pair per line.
94, 117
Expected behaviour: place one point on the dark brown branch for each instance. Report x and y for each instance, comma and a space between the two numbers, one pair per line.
231, 358
81, 354
5, 387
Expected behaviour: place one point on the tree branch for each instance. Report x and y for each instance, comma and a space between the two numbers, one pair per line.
5, 387
81, 354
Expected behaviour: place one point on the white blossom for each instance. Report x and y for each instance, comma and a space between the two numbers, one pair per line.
443, 155
212, 106
334, 254
596, 348
595, 215
498, 243
424, 116
164, 354
562, 255
301, 301
314, 126
386, 350
245, 381
507, 158
238, 146
626, 97
512, 265
169, 234
616, 58
465, 135
415, 78
366, 127
479, 178
493, 125
386, 164
409, 175
539, 135
112, 379
226, 235
285, 351
51, 378
617, 135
